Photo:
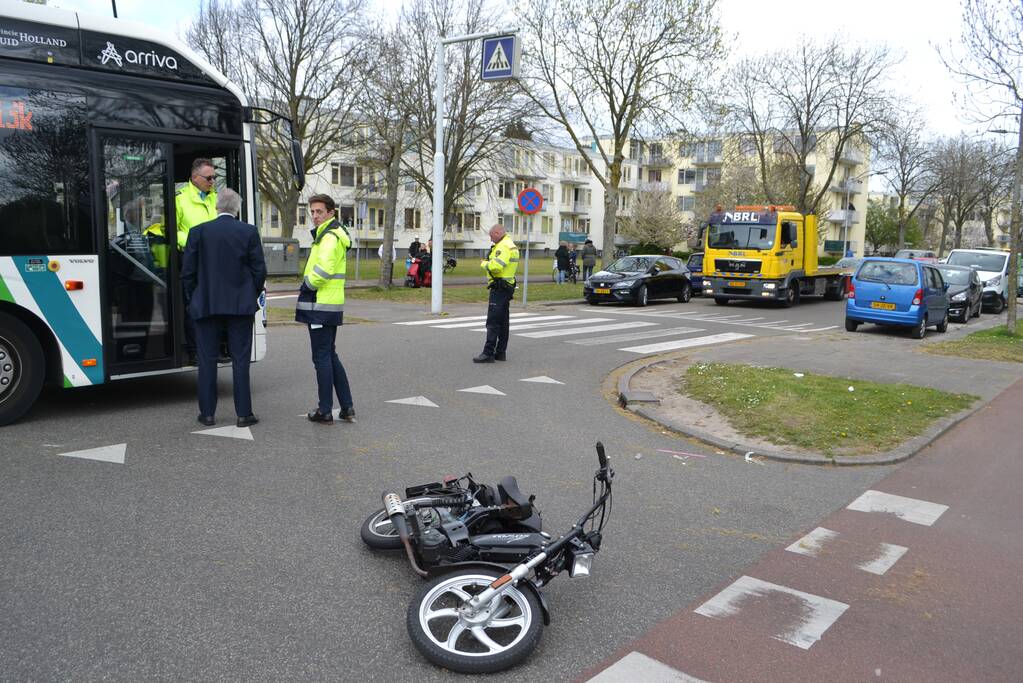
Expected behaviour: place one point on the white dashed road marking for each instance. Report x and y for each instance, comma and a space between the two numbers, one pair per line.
636, 666
817, 615
414, 401
484, 389
441, 321
113, 453
909, 509
634, 336
810, 545
888, 555
230, 432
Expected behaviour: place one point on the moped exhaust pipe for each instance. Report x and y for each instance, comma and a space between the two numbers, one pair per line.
396, 513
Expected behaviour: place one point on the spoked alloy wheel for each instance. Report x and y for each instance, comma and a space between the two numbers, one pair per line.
686, 294
500, 636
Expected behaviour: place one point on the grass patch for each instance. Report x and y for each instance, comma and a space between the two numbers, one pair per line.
992, 344
466, 294
818, 412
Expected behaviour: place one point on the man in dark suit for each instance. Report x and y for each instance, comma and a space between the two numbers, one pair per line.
223, 274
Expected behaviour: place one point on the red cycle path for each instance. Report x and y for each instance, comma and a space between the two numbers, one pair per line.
949, 609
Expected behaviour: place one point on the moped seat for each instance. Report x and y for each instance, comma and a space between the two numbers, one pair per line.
509, 489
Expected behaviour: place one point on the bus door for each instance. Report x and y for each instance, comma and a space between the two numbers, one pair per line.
136, 209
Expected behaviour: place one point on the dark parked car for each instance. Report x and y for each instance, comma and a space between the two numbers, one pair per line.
637, 279
695, 266
917, 255
965, 292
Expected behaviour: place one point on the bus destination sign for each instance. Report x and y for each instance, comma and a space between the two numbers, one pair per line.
38, 42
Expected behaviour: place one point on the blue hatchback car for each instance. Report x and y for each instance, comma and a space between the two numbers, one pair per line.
901, 292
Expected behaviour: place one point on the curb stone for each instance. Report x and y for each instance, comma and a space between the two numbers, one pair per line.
899, 454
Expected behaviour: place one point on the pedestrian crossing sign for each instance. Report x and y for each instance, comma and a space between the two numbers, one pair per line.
500, 58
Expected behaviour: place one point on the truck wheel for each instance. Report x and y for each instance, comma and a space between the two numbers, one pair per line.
791, 295
851, 325
22, 368
721, 301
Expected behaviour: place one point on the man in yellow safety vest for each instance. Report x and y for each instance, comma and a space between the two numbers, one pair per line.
500, 266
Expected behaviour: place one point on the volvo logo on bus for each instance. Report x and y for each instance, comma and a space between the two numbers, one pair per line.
151, 58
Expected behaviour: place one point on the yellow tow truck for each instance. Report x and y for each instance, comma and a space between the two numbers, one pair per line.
765, 253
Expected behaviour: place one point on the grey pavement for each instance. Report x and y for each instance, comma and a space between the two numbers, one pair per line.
203, 557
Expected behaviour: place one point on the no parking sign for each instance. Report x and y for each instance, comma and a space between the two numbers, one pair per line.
530, 201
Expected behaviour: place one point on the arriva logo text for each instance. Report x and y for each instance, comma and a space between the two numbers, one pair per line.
151, 58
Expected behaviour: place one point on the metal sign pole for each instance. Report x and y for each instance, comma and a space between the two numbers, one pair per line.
437, 271
525, 276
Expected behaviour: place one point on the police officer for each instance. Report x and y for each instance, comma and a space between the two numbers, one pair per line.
196, 202
500, 266
320, 305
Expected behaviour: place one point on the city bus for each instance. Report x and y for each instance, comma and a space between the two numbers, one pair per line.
100, 121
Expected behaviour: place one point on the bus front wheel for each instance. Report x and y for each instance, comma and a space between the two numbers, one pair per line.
22, 368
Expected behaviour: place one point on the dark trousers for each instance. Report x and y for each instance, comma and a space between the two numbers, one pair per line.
209, 332
330, 374
498, 315
587, 271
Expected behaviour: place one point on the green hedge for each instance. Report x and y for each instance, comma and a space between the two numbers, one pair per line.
828, 260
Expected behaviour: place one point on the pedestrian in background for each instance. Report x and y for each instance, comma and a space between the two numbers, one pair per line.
500, 266
589, 258
321, 302
561, 258
223, 273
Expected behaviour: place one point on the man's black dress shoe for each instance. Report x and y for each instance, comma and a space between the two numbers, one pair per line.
247, 421
207, 420
483, 358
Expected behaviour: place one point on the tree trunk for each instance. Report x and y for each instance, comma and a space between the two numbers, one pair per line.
902, 222
288, 211
390, 217
958, 242
946, 220
610, 218
989, 225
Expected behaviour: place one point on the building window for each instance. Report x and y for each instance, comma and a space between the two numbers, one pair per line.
654, 175
275, 218
635, 149
301, 217
506, 189
686, 176
626, 172
550, 162
376, 219
547, 225
342, 174
547, 191
413, 219
687, 203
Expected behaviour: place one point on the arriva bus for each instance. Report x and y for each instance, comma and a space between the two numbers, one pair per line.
100, 120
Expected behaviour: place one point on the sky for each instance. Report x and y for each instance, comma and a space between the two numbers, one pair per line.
910, 27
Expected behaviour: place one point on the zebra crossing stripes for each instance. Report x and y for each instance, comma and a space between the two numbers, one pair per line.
434, 321
783, 325
543, 334
687, 343
529, 325
477, 323
634, 336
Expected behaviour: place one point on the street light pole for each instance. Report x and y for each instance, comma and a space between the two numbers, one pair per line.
1015, 227
437, 271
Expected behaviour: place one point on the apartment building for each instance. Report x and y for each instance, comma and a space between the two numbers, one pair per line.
355, 180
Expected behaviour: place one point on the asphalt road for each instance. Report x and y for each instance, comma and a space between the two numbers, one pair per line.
203, 557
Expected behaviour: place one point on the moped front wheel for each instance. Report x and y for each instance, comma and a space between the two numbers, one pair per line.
501, 635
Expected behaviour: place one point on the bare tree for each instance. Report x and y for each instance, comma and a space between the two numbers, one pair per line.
958, 165
299, 57
655, 217
996, 186
478, 113
904, 158
989, 60
815, 100
615, 69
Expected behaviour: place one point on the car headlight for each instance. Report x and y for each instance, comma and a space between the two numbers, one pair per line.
770, 285
623, 285
961, 296
993, 282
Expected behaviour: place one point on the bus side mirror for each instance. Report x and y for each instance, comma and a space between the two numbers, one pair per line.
297, 164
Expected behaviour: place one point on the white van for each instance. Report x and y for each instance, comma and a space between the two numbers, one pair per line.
992, 265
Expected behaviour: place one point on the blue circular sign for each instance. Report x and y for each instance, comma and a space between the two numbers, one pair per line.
530, 200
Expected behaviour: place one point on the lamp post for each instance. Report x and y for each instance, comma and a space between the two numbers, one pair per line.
1014, 226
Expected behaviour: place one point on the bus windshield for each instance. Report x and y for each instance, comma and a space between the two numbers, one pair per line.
740, 236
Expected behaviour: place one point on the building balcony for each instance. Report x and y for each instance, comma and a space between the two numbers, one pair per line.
848, 185
372, 189
851, 155
527, 173
575, 208
573, 178
842, 216
657, 161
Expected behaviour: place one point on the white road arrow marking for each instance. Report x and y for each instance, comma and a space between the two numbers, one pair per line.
415, 401
113, 453
542, 379
484, 389
230, 432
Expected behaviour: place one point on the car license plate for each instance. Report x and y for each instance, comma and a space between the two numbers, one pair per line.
882, 305
736, 284
602, 291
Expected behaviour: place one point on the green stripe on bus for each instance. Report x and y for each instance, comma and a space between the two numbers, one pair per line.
5, 294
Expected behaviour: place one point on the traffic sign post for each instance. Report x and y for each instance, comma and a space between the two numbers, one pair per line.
499, 53
529, 202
